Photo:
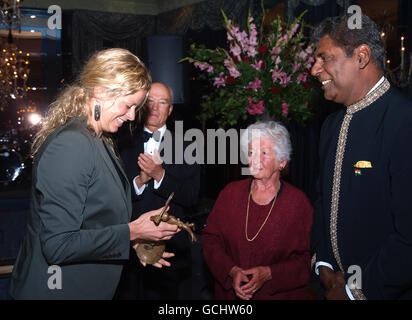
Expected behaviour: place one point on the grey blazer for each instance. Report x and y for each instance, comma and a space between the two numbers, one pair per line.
80, 208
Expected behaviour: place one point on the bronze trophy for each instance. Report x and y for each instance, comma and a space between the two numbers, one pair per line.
151, 252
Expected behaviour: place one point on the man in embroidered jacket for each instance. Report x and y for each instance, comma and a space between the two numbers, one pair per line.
363, 216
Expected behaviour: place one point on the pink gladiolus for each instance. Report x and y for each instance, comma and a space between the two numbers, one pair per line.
235, 50
276, 50
260, 107
255, 85
309, 63
250, 110
220, 81
242, 38
200, 66
285, 108
231, 68
309, 50
255, 108
301, 77
258, 64
244, 43
253, 41
234, 72
277, 74
204, 66
227, 63
302, 55
235, 29
294, 29
296, 67
251, 52
285, 79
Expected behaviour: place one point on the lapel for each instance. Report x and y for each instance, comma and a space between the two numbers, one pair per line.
172, 150
111, 161
140, 142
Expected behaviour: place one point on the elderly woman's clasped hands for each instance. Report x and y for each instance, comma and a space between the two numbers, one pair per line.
247, 282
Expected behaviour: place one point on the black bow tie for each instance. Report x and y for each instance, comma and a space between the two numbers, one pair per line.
147, 135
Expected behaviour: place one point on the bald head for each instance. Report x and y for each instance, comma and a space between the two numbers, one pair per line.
159, 106
162, 86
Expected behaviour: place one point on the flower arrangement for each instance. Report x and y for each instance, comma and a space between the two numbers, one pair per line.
265, 72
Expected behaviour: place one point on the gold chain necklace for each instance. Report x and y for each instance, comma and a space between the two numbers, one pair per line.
264, 222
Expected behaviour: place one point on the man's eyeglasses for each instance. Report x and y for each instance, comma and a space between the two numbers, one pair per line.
161, 103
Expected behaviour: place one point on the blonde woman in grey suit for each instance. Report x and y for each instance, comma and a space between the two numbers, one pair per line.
79, 224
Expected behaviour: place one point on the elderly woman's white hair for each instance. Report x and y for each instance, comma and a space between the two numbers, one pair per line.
268, 129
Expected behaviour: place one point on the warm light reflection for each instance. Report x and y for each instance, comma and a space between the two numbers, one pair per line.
35, 118
14, 72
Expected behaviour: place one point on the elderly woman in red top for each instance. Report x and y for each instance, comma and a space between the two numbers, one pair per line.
257, 237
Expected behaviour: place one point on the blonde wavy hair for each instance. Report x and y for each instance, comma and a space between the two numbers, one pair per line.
117, 71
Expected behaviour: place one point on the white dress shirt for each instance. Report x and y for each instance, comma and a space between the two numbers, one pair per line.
149, 147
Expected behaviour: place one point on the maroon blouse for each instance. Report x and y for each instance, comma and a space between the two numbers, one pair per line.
283, 243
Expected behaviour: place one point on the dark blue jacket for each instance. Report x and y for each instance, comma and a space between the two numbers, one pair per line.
374, 225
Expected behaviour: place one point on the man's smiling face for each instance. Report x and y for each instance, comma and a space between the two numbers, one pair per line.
336, 72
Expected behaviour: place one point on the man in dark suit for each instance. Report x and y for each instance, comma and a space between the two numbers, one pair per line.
153, 182
363, 223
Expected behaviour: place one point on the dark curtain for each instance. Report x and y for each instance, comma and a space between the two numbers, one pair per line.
304, 164
405, 22
213, 177
67, 46
89, 31
93, 31
405, 28
315, 14
203, 15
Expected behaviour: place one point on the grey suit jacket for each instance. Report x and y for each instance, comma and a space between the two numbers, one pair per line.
80, 208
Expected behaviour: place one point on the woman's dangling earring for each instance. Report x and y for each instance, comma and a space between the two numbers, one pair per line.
97, 111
